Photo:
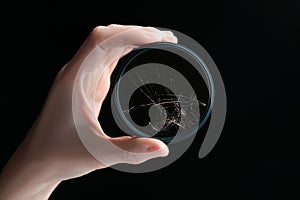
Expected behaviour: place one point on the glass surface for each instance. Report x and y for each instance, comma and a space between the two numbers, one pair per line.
161, 90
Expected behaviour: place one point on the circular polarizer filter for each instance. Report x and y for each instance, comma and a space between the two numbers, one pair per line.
163, 91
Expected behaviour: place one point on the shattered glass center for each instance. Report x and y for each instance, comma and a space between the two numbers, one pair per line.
160, 94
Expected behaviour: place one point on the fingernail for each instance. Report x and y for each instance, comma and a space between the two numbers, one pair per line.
112, 25
152, 148
169, 33
175, 40
170, 39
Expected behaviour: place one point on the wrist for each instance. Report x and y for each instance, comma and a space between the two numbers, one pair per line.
28, 175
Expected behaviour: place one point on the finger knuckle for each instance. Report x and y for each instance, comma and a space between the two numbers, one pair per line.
96, 35
130, 157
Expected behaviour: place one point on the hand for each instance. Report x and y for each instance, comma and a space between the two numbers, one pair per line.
52, 151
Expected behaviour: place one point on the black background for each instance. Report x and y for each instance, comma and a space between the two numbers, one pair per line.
255, 45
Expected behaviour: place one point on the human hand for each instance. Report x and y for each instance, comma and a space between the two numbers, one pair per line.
52, 151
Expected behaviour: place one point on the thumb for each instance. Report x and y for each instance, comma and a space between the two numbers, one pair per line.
137, 150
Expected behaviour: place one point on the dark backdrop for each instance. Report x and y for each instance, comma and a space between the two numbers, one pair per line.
255, 45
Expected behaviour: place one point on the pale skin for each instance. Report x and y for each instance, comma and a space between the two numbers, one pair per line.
52, 150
